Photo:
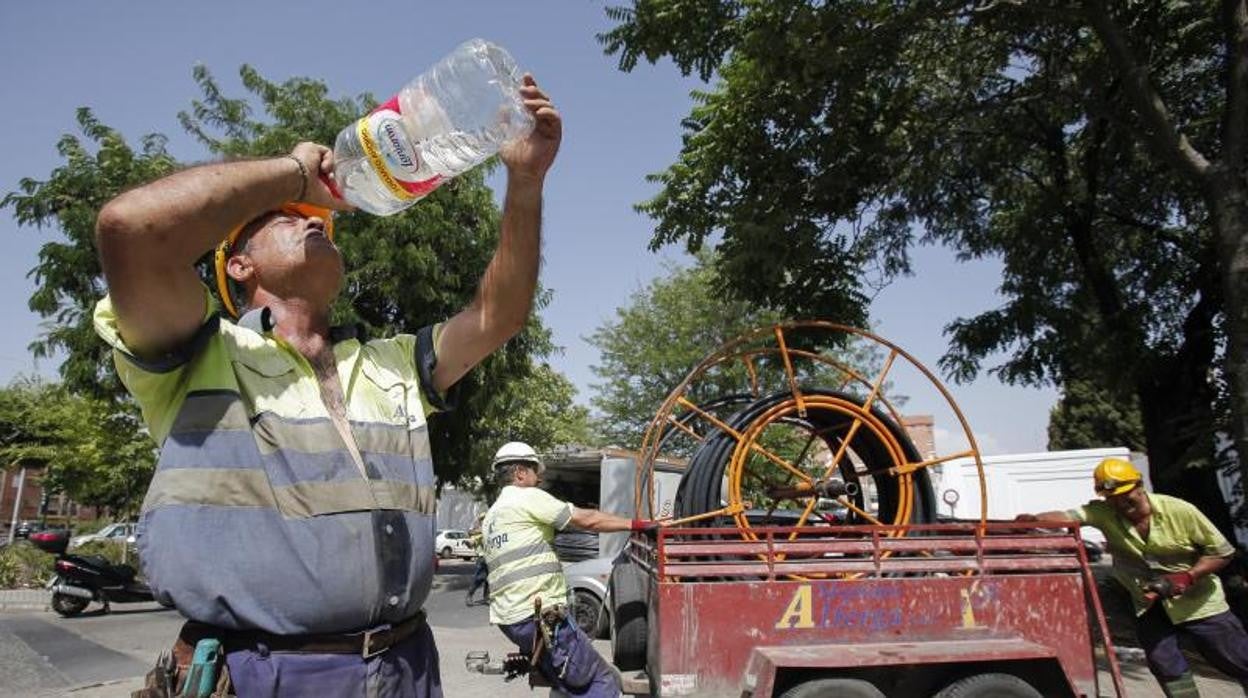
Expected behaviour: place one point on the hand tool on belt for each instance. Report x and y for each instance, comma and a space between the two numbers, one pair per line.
548, 621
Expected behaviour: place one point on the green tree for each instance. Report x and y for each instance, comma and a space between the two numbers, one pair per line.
404, 271
94, 452
655, 340
1088, 417
670, 326
1097, 149
540, 410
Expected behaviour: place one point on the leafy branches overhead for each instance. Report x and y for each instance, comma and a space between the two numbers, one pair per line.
1096, 147
1060, 137
67, 277
839, 134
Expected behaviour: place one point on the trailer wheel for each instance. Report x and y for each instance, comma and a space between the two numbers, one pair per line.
628, 617
844, 688
989, 686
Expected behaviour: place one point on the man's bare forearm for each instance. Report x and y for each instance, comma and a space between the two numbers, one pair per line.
1046, 516
149, 238
600, 521
505, 294
509, 283
178, 218
1207, 565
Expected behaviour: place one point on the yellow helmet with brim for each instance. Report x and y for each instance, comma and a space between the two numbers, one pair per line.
225, 249
1115, 476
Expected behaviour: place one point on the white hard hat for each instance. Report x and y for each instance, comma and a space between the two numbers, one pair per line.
517, 452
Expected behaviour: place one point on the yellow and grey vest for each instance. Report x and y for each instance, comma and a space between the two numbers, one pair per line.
519, 530
258, 516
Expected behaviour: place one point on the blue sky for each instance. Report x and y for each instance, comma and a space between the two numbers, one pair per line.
131, 63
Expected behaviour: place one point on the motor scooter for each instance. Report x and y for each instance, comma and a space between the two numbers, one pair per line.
81, 579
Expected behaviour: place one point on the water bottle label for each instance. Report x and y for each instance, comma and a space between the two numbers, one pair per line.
391, 154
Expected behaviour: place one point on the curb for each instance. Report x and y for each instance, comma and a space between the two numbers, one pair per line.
24, 607
25, 599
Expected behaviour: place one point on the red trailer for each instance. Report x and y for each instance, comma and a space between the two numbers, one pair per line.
923, 610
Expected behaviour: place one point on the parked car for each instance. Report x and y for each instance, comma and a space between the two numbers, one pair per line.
117, 532
25, 528
587, 592
452, 543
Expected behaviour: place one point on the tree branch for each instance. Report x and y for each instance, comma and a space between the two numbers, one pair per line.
1233, 133
1163, 135
1157, 230
1080, 226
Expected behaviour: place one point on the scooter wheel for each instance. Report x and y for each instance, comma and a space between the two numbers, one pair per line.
67, 605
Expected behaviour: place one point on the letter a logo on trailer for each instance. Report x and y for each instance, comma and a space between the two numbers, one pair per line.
798, 614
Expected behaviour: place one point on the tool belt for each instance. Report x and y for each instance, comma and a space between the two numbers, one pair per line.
167, 679
565, 662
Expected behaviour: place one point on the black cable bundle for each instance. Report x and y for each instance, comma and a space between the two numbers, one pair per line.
700, 487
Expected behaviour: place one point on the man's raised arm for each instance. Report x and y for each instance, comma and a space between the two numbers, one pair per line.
150, 237
505, 294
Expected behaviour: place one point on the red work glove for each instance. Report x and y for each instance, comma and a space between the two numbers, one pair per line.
649, 528
1168, 586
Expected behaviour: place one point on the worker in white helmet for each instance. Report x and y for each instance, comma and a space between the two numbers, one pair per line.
519, 529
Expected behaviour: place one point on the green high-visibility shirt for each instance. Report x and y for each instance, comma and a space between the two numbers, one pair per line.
519, 531
259, 515
1178, 536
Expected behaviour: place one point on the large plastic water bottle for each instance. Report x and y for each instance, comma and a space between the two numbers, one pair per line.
443, 123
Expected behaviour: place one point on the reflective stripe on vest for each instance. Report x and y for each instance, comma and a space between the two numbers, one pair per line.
520, 553
522, 573
214, 456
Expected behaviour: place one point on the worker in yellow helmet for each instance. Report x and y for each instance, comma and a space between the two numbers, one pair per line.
291, 514
1166, 553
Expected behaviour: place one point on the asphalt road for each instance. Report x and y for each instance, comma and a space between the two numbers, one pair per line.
97, 655
42, 654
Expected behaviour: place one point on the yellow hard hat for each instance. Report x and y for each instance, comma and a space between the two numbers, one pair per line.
224, 250
1115, 476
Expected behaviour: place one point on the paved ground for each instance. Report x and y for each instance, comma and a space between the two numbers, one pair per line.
102, 656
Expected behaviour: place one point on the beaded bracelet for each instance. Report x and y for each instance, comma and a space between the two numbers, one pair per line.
303, 177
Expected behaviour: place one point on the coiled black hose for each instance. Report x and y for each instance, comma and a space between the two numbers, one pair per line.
700, 487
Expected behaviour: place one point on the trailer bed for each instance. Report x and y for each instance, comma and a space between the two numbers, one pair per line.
908, 609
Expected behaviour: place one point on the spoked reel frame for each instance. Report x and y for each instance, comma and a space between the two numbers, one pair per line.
867, 418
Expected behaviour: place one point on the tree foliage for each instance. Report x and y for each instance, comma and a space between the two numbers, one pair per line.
1086, 144
94, 452
656, 339
539, 410
403, 271
68, 280
1087, 417
668, 328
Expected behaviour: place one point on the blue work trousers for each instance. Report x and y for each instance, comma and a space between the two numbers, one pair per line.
1220, 639
480, 578
572, 665
406, 670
